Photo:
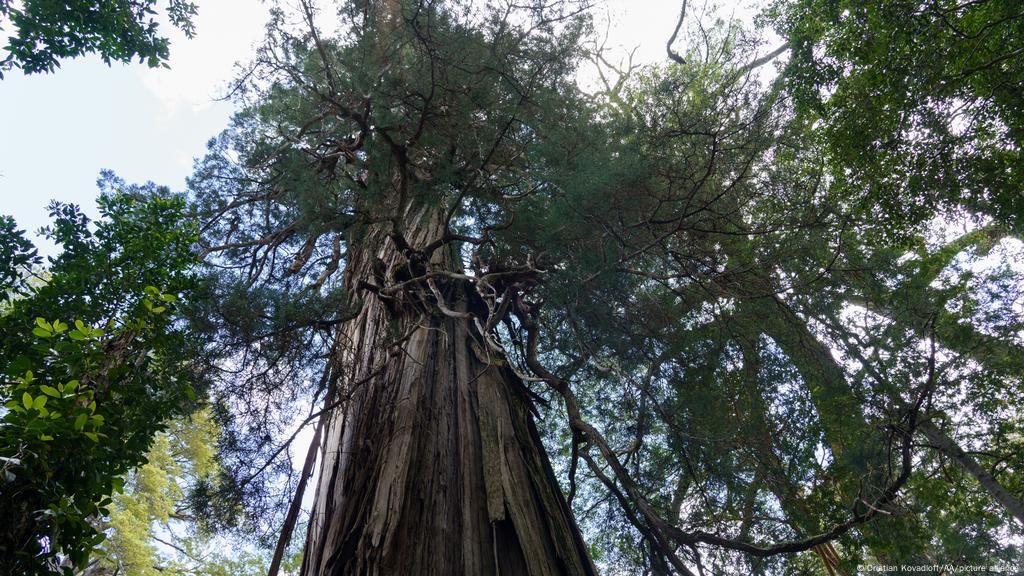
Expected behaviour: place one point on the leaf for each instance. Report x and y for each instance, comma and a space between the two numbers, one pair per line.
71, 385
80, 421
92, 436
80, 325
39, 402
76, 335
49, 391
26, 399
42, 323
41, 333
45, 437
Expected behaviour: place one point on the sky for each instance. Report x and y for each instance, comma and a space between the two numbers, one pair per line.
57, 131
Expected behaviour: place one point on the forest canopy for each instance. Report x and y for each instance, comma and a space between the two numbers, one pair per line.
755, 309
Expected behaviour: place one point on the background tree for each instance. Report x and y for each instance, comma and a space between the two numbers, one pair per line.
93, 365
46, 32
151, 527
920, 104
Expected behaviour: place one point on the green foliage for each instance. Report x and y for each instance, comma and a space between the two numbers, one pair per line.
46, 32
17, 254
920, 104
93, 364
149, 531
734, 281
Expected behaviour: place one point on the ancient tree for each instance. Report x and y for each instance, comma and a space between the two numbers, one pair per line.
656, 316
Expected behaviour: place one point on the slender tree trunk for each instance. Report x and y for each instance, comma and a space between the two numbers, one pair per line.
841, 414
949, 447
433, 464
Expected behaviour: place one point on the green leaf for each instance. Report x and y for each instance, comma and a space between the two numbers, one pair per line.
49, 391
42, 323
45, 437
39, 402
80, 421
59, 326
41, 333
76, 335
71, 385
92, 436
26, 399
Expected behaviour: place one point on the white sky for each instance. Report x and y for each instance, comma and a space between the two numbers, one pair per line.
58, 131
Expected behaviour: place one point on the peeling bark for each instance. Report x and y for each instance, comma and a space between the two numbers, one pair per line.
433, 464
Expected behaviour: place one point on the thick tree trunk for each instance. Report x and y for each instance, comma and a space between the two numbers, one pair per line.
433, 464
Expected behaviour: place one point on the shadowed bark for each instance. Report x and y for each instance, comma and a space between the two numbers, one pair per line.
432, 464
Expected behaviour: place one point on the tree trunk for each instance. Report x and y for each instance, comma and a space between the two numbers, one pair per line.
949, 447
433, 464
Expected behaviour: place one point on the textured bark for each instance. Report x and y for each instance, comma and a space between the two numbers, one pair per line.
949, 447
433, 464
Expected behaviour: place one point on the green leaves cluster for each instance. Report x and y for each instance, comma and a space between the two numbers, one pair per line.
920, 104
93, 364
44, 32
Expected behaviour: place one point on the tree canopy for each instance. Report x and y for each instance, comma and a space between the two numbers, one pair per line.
44, 32
93, 366
757, 309
747, 334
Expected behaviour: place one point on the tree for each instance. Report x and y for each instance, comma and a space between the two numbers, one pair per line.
151, 529
93, 364
435, 428
47, 32
917, 101
483, 281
